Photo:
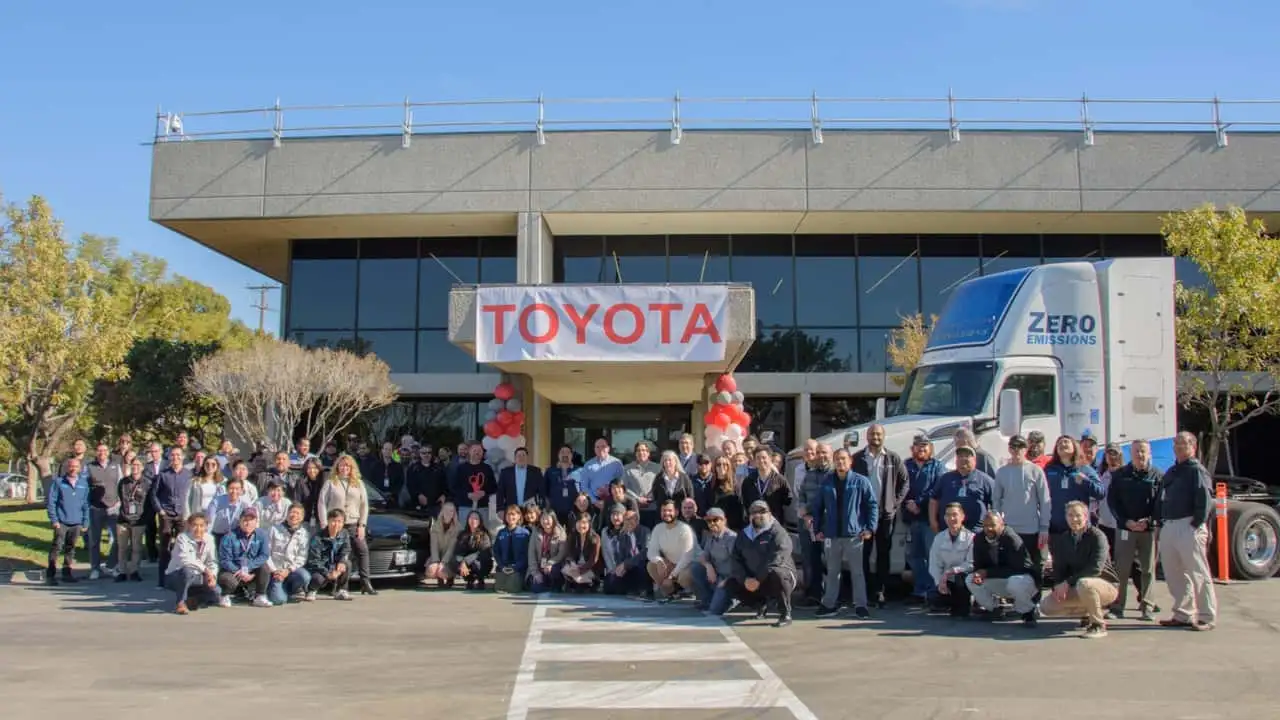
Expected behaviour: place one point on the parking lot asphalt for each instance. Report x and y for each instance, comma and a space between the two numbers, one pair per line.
108, 651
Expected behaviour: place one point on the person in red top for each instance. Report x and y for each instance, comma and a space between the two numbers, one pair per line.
1035, 449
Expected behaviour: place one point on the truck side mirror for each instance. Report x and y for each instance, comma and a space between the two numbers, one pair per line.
880, 409
1009, 412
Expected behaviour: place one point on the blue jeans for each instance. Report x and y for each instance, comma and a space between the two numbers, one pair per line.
278, 591
918, 558
713, 599
187, 582
98, 520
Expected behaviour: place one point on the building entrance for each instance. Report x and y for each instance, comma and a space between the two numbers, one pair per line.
578, 426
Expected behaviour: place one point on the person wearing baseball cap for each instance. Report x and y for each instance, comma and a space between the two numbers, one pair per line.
1089, 450
967, 486
923, 472
1035, 449
713, 564
242, 558
1022, 497
762, 566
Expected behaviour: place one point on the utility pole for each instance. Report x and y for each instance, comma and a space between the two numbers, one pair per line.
262, 306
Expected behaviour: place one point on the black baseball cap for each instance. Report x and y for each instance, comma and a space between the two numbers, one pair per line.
1017, 441
965, 450
921, 440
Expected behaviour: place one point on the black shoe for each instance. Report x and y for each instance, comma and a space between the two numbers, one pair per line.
51, 578
783, 621
1029, 619
366, 588
136, 577
122, 578
862, 613
67, 577
825, 612
880, 601
762, 611
480, 584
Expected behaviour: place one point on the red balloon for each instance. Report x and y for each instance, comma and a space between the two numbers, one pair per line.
492, 429
505, 392
710, 417
512, 430
517, 418
726, 383
504, 418
745, 422
722, 420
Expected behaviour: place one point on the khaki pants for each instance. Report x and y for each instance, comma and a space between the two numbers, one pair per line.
1087, 599
1019, 588
1136, 547
660, 570
129, 541
1186, 571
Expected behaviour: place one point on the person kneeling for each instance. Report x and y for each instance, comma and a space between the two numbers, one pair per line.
1083, 578
950, 560
579, 568
1002, 568
193, 568
329, 557
287, 561
625, 542
762, 566
242, 558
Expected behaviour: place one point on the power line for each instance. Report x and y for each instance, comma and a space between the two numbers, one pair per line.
262, 305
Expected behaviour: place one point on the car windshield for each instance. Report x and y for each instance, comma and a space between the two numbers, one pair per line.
375, 493
950, 389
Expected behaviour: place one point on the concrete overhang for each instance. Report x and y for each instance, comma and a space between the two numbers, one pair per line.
617, 382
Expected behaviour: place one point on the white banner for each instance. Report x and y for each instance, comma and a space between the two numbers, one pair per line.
612, 323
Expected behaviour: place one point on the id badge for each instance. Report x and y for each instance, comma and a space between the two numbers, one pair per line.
1065, 483
1124, 534
386, 482
564, 492
964, 492
826, 543
133, 509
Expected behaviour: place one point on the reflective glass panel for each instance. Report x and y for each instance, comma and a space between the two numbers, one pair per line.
453, 256
437, 355
826, 350
698, 258
826, 280
945, 262
388, 293
639, 259
322, 294
765, 262
1009, 252
394, 347
888, 280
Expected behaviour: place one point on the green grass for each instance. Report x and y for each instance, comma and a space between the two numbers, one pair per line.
24, 537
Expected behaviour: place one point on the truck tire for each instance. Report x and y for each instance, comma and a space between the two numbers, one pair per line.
1254, 533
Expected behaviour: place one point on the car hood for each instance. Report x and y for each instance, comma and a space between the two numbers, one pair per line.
393, 525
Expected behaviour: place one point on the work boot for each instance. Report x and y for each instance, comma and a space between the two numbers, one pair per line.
51, 577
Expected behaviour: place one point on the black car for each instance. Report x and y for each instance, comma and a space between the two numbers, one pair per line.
397, 540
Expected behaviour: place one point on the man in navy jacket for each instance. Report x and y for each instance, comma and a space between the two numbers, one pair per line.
845, 515
68, 506
521, 483
242, 558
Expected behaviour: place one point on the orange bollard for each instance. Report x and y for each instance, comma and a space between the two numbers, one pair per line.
1220, 504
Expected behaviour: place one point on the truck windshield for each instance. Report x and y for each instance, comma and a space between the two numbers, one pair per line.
951, 389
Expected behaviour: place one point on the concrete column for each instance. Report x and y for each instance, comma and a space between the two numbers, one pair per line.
804, 414
538, 424
534, 250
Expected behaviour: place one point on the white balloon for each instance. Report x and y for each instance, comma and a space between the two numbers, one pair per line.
737, 397
514, 405
495, 404
519, 442
734, 433
489, 443
493, 456
507, 444
713, 436
724, 398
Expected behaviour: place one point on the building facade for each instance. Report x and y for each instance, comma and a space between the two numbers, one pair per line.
378, 240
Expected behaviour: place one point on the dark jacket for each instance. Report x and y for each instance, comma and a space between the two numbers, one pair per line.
626, 549
133, 500
894, 482
1087, 557
232, 554
684, 489
562, 488
734, 511
427, 481
462, 484
859, 514
479, 544
387, 477
769, 550
289, 480
777, 492
1185, 492
1003, 557
325, 553
1069, 484
535, 487
68, 504
701, 492
103, 482
920, 481
588, 550
307, 494
511, 549
1133, 494
169, 491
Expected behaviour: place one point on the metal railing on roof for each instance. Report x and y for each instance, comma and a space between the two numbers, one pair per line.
542, 116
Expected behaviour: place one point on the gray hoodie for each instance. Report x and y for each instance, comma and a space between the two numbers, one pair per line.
718, 551
1021, 492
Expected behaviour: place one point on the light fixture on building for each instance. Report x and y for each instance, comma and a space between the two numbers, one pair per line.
676, 132
173, 126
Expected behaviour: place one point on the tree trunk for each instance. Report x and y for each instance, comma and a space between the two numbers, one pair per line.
37, 467
1211, 453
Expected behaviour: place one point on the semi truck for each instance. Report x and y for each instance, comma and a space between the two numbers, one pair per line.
1062, 348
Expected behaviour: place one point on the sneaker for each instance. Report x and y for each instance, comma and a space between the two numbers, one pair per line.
762, 611
826, 612
1085, 623
862, 613
181, 609
95, 574
1176, 623
1146, 616
261, 601
311, 596
1114, 614
1029, 619
1093, 632
342, 595
783, 621
880, 601
1203, 626
224, 602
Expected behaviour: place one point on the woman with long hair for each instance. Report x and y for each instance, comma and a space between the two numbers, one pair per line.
345, 490
532, 513
307, 490
547, 549
582, 558
1070, 480
474, 555
724, 492
582, 505
672, 483
444, 544
204, 486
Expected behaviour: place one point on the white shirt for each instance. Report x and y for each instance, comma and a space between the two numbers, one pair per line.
948, 553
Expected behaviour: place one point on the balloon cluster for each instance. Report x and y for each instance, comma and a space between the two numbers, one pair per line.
726, 420
503, 426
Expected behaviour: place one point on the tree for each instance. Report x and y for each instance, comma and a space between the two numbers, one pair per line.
66, 323
153, 401
907, 343
270, 388
1228, 334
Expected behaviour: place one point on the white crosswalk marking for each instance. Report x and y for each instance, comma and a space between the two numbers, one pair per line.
530, 694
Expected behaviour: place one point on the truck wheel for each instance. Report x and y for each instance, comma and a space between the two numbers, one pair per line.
1254, 530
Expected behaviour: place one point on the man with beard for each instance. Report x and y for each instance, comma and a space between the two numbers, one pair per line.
1002, 568
762, 565
280, 473
671, 550
425, 482
923, 472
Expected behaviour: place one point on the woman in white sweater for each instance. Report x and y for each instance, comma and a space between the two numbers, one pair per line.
345, 490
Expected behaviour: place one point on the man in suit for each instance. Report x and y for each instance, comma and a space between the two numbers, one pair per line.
152, 464
890, 483
521, 483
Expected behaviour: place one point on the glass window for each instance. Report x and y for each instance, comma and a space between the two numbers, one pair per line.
640, 259
437, 355
445, 424
765, 262
388, 293
497, 260
945, 262
394, 347
1009, 252
460, 257
828, 414
1187, 272
322, 294
335, 339
327, 249
698, 258
773, 351
1038, 396
888, 283
948, 389
1132, 246
826, 350
1072, 248
775, 415
581, 260
975, 311
875, 351
826, 280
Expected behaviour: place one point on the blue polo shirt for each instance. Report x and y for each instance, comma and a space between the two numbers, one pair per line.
973, 492
597, 474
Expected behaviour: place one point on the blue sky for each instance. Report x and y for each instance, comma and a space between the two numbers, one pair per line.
83, 79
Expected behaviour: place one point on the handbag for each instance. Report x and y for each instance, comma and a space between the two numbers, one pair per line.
507, 580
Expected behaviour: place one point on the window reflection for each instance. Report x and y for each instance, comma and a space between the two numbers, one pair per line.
945, 262
826, 280
459, 256
333, 339
641, 259
1072, 248
1187, 272
388, 293
888, 283
698, 258
826, 350
772, 414
497, 260
1114, 246
394, 347
437, 355
831, 414
875, 351
580, 260
443, 423
765, 262
322, 294
772, 351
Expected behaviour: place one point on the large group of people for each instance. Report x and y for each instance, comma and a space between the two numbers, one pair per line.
1059, 534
